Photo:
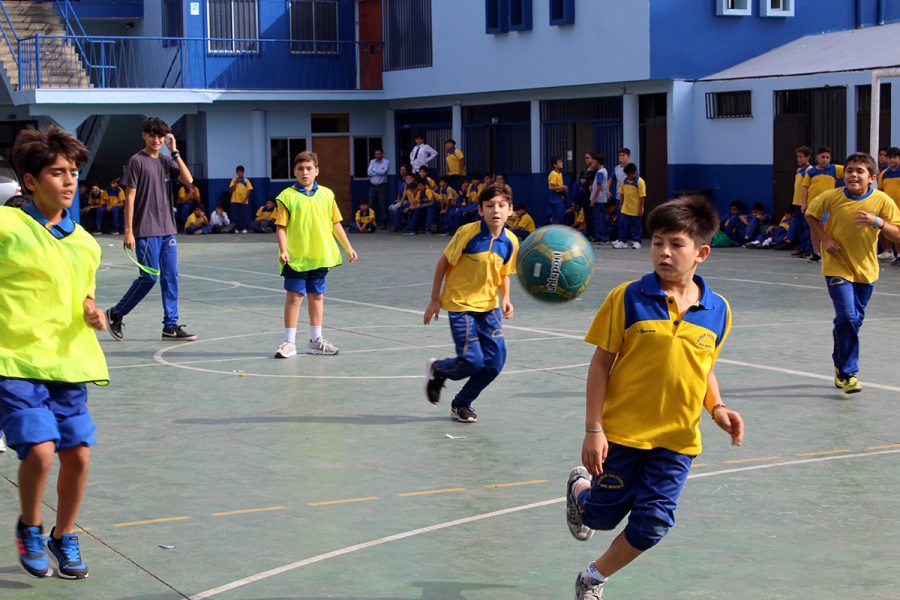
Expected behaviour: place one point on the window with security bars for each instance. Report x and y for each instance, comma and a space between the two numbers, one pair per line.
728, 105
281, 153
407, 34
314, 26
233, 26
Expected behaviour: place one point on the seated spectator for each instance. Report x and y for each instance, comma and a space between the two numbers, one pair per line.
774, 235
399, 209
797, 231
219, 221
421, 209
446, 198
188, 196
364, 221
733, 225
114, 195
264, 222
93, 209
524, 223
197, 223
500, 179
756, 224
423, 176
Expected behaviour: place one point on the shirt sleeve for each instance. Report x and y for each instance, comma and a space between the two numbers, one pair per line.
806, 179
248, 184
642, 188
509, 268
839, 171
818, 206
457, 244
335, 213
607, 330
890, 213
282, 214
132, 173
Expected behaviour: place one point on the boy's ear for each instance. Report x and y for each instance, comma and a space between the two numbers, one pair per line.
29, 181
703, 253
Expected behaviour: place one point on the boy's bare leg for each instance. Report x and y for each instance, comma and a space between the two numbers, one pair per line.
619, 554
33, 473
292, 302
74, 464
316, 308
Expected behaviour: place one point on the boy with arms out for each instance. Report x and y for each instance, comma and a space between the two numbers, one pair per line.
150, 228
307, 221
48, 349
642, 419
850, 263
474, 267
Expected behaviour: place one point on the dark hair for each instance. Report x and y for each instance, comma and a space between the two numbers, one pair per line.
450, 141
239, 168
519, 206
758, 206
17, 201
804, 150
271, 199
377, 150
738, 205
630, 169
445, 180
554, 160
625, 151
694, 215
423, 167
790, 210
491, 192
156, 126
363, 201
600, 157
823, 149
35, 149
893, 151
865, 159
883, 149
474, 176
419, 136
221, 205
305, 156
498, 174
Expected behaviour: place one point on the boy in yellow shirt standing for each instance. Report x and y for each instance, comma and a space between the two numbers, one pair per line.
663, 332
850, 262
306, 225
821, 177
473, 269
632, 197
240, 188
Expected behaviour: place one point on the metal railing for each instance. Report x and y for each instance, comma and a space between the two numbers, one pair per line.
163, 62
6, 27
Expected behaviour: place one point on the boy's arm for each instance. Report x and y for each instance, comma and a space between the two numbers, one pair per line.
728, 420
828, 244
434, 305
505, 303
281, 238
867, 219
93, 316
128, 218
595, 445
341, 236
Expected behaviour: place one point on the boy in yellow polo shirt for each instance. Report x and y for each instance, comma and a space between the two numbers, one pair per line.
850, 262
821, 177
889, 183
240, 188
306, 224
473, 269
48, 348
632, 196
663, 332
115, 198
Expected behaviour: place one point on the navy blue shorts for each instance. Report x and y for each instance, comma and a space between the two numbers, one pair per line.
644, 483
34, 412
304, 282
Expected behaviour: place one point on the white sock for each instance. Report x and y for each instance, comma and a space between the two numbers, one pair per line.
315, 332
592, 573
290, 334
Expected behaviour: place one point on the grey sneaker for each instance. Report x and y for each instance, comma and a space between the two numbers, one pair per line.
178, 333
577, 528
462, 413
588, 589
286, 350
321, 346
114, 325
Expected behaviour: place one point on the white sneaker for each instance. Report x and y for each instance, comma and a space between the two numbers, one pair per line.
286, 350
636, 245
320, 346
619, 245
2, 445
243, 231
886, 255
768, 242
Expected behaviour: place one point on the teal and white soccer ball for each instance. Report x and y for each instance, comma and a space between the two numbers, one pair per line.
555, 263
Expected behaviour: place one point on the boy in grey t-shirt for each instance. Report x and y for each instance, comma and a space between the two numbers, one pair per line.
150, 228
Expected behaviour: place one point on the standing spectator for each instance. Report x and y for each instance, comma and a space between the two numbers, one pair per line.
557, 189
619, 171
115, 198
889, 183
421, 154
150, 228
823, 176
800, 236
600, 194
456, 163
240, 188
378, 187
631, 208
585, 185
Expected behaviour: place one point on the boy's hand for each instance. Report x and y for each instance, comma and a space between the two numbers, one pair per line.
593, 452
93, 316
351, 253
507, 309
170, 142
128, 240
730, 422
864, 219
432, 311
830, 246
283, 257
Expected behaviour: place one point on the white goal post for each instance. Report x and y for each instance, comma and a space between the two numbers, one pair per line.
875, 112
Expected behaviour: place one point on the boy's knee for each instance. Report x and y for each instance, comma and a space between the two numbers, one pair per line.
646, 529
26, 431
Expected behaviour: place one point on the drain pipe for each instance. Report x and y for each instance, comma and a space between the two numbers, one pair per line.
880, 16
858, 5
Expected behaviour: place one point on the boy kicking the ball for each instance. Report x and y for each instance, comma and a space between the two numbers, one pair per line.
663, 332
474, 267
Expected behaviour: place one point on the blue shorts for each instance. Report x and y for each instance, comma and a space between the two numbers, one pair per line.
33, 412
644, 483
304, 282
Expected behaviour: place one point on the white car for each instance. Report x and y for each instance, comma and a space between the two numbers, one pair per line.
9, 182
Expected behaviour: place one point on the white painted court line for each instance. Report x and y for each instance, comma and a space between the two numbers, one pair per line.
865, 384
475, 518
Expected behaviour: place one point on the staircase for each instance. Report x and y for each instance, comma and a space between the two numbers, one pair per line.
60, 63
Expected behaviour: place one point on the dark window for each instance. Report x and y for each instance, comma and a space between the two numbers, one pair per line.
172, 21
407, 34
496, 16
363, 151
497, 138
233, 25
337, 123
819, 114
520, 15
314, 26
863, 112
728, 105
562, 12
572, 127
282, 152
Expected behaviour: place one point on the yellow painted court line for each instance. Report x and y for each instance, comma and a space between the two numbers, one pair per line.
345, 501
698, 465
516, 483
883, 447
823, 452
429, 492
150, 521
248, 510
747, 460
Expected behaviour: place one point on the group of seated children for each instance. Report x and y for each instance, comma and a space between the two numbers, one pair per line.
197, 222
97, 203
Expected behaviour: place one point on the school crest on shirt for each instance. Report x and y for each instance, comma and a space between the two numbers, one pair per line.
706, 340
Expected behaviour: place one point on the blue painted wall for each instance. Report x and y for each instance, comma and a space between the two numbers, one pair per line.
681, 33
109, 9
749, 183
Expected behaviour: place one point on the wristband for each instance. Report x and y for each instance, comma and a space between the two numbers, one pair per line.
877, 222
588, 430
712, 411
175, 155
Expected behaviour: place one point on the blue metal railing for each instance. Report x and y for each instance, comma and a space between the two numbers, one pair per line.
203, 63
5, 25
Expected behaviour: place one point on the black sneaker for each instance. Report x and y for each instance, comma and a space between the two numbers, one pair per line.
178, 333
433, 383
114, 325
814, 258
462, 413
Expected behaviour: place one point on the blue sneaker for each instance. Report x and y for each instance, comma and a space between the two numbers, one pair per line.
67, 555
32, 557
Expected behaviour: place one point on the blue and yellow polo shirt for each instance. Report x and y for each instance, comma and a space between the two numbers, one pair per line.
115, 196
454, 160
657, 386
889, 183
365, 218
821, 180
478, 264
632, 192
799, 176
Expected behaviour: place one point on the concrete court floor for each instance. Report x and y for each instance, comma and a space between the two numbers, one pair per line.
217, 464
